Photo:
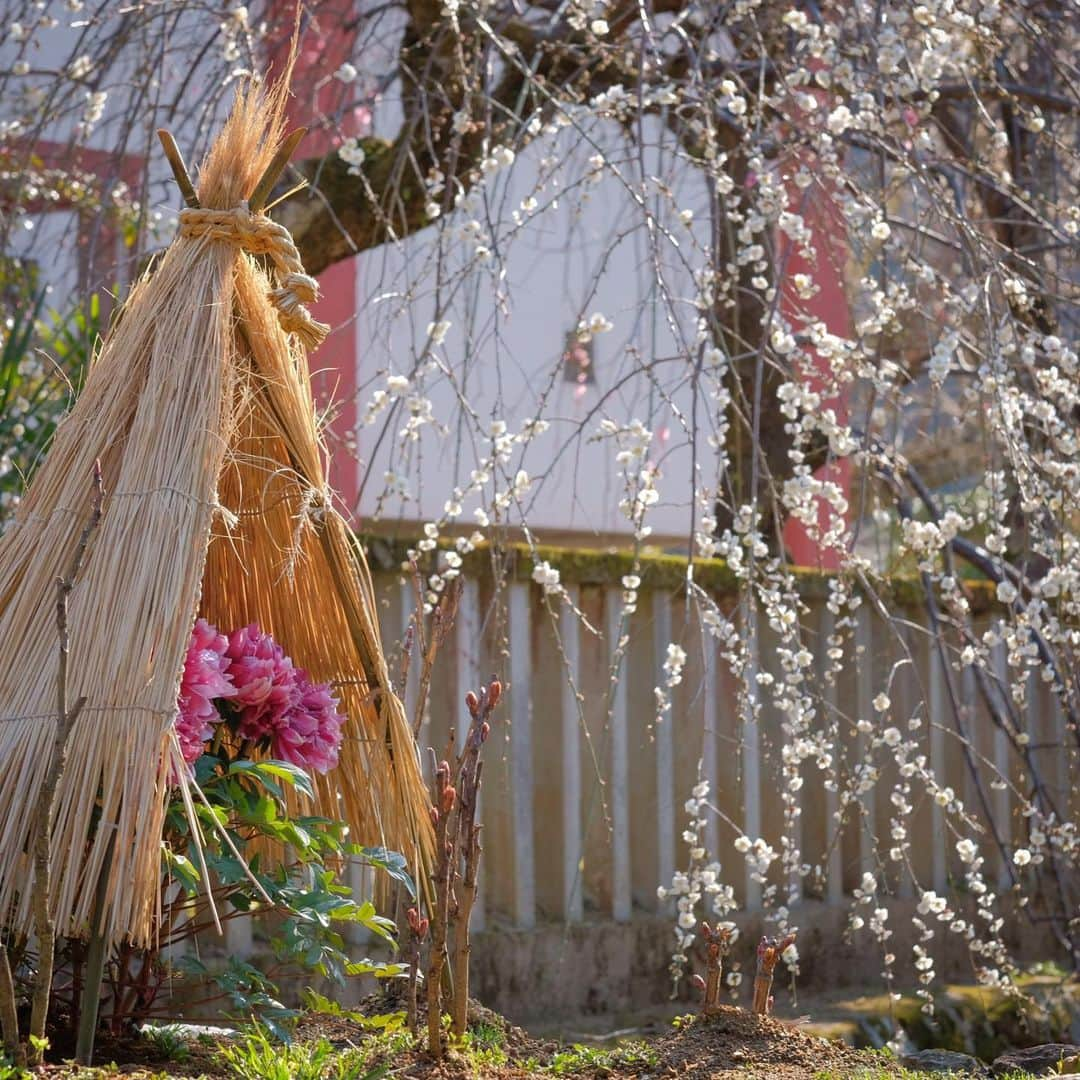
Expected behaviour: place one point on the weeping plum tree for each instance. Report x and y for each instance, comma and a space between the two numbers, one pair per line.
745, 158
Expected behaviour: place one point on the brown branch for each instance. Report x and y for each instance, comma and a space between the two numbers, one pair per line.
344, 213
717, 944
45, 810
431, 639
769, 951
418, 929
469, 772
441, 813
1005, 89
9, 1017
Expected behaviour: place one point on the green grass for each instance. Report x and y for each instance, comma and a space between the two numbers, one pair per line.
169, 1041
483, 1047
586, 1059
487, 1036
256, 1057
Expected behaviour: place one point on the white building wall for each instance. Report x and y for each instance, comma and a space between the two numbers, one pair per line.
510, 320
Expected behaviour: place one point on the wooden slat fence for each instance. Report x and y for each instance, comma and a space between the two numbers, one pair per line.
583, 791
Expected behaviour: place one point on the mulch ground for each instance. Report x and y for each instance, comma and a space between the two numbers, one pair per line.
733, 1043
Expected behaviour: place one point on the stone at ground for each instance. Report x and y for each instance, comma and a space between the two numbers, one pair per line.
944, 1061
192, 1031
1037, 1060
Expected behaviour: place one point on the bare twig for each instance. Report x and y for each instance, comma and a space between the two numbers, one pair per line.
769, 951
418, 929
9, 1017
432, 639
424, 641
468, 841
45, 810
717, 943
441, 814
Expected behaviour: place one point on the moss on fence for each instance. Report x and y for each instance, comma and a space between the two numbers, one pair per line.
515, 561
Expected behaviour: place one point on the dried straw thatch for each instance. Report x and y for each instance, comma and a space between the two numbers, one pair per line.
200, 410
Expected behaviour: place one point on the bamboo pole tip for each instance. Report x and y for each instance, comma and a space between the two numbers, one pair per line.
179, 169
273, 171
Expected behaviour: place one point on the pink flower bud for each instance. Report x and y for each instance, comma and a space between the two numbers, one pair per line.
485, 731
494, 693
434, 816
698, 982
471, 703
422, 933
448, 797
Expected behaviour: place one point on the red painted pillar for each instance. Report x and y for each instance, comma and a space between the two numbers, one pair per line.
829, 305
322, 103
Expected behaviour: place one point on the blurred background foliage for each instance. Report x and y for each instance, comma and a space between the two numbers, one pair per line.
45, 350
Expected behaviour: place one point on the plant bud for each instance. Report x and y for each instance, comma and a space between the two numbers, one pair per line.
494, 693
422, 933
443, 771
485, 731
414, 920
471, 703
698, 982
448, 797
434, 816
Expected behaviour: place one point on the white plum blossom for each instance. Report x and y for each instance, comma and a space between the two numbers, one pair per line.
967, 850
352, 153
437, 331
547, 577
597, 323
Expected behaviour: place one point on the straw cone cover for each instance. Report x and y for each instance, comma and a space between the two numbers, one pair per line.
199, 408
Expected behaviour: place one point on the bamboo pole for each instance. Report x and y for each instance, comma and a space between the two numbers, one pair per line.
272, 173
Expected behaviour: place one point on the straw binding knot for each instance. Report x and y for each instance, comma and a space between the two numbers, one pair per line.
259, 235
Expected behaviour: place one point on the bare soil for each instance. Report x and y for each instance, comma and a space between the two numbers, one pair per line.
733, 1043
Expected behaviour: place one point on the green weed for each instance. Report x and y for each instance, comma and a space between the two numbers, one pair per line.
256, 1057
583, 1059
168, 1041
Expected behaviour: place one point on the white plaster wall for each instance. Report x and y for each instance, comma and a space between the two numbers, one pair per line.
504, 357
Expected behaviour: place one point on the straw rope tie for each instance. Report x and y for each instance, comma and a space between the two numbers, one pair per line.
259, 235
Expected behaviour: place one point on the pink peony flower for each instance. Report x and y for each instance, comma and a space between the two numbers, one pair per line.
309, 734
274, 702
265, 680
205, 679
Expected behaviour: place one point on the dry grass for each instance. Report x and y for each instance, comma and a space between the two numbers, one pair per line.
199, 409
